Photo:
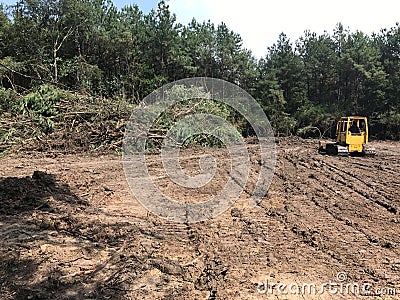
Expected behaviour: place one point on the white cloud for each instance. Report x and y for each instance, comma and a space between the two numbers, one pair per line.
260, 22
186, 10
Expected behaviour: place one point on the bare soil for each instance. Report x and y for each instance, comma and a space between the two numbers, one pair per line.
71, 229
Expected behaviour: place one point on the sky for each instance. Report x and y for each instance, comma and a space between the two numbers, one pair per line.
259, 22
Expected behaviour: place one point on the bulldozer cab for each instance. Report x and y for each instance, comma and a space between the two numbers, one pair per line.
351, 138
353, 132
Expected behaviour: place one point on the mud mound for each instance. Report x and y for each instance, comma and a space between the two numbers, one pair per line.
36, 192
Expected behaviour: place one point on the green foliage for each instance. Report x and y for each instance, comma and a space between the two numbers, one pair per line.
43, 101
8, 99
97, 49
315, 120
390, 125
190, 101
283, 124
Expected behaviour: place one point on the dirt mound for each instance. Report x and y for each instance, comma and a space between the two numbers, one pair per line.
33, 193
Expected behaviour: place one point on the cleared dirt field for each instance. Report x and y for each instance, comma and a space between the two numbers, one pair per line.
70, 229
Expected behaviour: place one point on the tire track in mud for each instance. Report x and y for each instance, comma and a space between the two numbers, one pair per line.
185, 254
206, 244
339, 210
347, 180
378, 165
303, 190
212, 244
373, 185
372, 179
314, 214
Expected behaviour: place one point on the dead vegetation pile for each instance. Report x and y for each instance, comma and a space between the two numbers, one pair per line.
55, 121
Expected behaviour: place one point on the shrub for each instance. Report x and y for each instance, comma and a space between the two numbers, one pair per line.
43, 101
8, 99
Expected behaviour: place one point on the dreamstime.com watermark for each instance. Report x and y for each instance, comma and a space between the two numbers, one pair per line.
191, 123
340, 286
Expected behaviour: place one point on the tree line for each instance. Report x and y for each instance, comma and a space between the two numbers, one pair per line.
95, 48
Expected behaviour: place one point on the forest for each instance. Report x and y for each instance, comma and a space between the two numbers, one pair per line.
53, 52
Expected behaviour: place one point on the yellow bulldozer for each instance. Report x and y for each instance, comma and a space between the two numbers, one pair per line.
351, 138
